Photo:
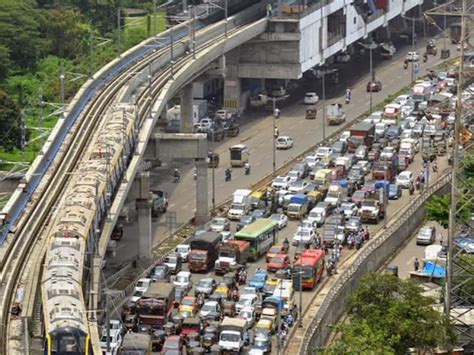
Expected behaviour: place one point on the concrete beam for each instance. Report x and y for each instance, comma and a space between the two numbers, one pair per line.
144, 203
202, 211
170, 146
186, 106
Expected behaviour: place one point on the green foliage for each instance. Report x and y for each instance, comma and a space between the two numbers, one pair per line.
4, 62
9, 123
437, 209
388, 316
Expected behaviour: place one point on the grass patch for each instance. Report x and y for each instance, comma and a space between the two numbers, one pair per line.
142, 26
4, 200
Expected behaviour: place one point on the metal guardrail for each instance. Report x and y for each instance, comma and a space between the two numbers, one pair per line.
319, 320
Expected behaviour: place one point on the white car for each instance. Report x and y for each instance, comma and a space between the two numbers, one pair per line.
364, 166
281, 218
219, 224
376, 116
323, 152
183, 280
209, 307
311, 98
303, 236
405, 179
412, 57
402, 99
298, 187
294, 175
183, 250
246, 300
143, 285
115, 340
284, 142
345, 136
311, 160
281, 182
115, 326
248, 313
387, 153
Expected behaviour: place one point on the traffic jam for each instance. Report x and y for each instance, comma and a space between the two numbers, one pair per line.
235, 287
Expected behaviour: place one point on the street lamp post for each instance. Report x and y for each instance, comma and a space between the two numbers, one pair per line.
371, 75
324, 104
275, 116
213, 176
413, 50
385, 192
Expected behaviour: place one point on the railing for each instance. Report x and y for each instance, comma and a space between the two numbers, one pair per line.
371, 258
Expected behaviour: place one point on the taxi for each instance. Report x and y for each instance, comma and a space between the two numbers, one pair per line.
222, 290
275, 250
278, 262
265, 325
270, 286
188, 306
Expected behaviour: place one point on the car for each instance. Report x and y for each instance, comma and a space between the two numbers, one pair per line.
281, 218
205, 286
356, 175
183, 250
299, 187
270, 285
303, 236
183, 279
278, 262
275, 250
405, 179
246, 300
319, 213
209, 307
348, 209
115, 339
160, 273
344, 137
311, 98
258, 279
426, 235
418, 129
180, 293
173, 345
294, 175
223, 115
260, 213
140, 288
307, 224
402, 99
311, 161
362, 152
281, 182
364, 166
339, 147
353, 224
394, 191
412, 57
284, 142
323, 152
387, 153
374, 86
174, 262
115, 326
219, 224
303, 168
249, 290
245, 221
249, 314
262, 344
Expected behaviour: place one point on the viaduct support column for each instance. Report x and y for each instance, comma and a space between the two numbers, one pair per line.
187, 109
145, 241
202, 213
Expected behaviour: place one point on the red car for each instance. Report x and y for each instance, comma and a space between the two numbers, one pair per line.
358, 196
374, 86
278, 262
173, 344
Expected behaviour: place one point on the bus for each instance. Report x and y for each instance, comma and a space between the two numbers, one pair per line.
311, 265
239, 155
261, 235
455, 32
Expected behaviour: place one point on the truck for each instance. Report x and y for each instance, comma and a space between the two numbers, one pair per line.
392, 114
173, 115
204, 251
361, 134
373, 207
298, 206
136, 344
156, 305
159, 203
407, 149
322, 179
231, 254
387, 50
335, 114
385, 170
233, 334
241, 204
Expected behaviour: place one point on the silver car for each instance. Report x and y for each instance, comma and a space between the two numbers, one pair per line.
426, 235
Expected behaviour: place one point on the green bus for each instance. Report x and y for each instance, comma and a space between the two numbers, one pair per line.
261, 235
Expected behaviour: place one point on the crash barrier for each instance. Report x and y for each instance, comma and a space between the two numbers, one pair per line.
372, 257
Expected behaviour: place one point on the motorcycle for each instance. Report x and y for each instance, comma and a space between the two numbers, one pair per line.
405, 65
425, 58
242, 278
235, 295
228, 175
195, 174
247, 169
176, 179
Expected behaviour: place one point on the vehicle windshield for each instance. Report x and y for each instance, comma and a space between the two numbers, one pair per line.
218, 221
171, 344
245, 314
246, 219
197, 256
231, 337
182, 249
258, 342
187, 302
204, 283
359, 194
275, 217
280, 180
274, 250
171, 260
353, 222
237, 207
425, 231
278, 260
293, 174
159, 272
303, 233
258, 277
403, 177
347, 206
182, 279
208, 307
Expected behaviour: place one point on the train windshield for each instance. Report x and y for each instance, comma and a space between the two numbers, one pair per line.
68, 344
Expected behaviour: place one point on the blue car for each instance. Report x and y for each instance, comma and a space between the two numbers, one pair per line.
394, 191
258, 280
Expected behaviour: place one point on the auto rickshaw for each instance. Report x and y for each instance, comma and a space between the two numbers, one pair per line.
209, 338
213, 160
213, 317
311, 113
431, 48
257, 199
190, 326
129, 308
158, 339
130, 321
222, 290
228, 308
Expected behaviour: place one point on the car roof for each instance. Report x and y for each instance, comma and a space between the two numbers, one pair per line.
184, 273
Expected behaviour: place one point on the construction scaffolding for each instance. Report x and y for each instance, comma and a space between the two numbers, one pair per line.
459, 295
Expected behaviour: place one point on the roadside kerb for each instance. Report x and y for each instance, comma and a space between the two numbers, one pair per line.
331, 306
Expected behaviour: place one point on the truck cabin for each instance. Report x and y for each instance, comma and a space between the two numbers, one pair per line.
392, 114
421, 91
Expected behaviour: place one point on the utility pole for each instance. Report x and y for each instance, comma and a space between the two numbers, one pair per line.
226, 10
107, 320
154, 18
41, 106
149, 90
275, 114
371, 75
324, 104
119, 33
194, 34
62, 79
172, 52
413, 49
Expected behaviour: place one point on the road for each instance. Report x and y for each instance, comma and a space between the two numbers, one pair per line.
256, 133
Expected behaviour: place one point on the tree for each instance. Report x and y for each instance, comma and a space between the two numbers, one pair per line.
9, 123
391, 315
4, 62
437, 209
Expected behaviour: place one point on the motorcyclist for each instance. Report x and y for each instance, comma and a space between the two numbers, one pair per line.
348, 95
176, 175
405, 64
247, 168
228, 174
425, 57
286, 244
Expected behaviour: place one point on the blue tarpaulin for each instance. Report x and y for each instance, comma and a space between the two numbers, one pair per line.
433, 270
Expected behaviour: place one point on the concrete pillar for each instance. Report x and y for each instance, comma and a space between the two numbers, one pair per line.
232, 89
187, 109
144, 203
202, 210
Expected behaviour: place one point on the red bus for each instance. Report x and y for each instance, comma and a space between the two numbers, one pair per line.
311, 265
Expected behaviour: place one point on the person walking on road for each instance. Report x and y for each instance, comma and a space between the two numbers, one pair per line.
416, 264
441, 238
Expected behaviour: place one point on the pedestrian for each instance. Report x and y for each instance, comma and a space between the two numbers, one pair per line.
441, 238
416, 264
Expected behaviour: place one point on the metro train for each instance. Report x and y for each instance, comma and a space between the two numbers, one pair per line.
71, 233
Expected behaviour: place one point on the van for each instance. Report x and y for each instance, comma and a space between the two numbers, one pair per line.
318, 214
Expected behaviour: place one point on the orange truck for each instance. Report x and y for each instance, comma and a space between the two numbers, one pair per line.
230, 254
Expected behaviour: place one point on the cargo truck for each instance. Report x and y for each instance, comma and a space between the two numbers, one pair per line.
233, 334
230, 255
373, 207
241, 204
204, 251
173, 115
361, 134
156, 305
298, 206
